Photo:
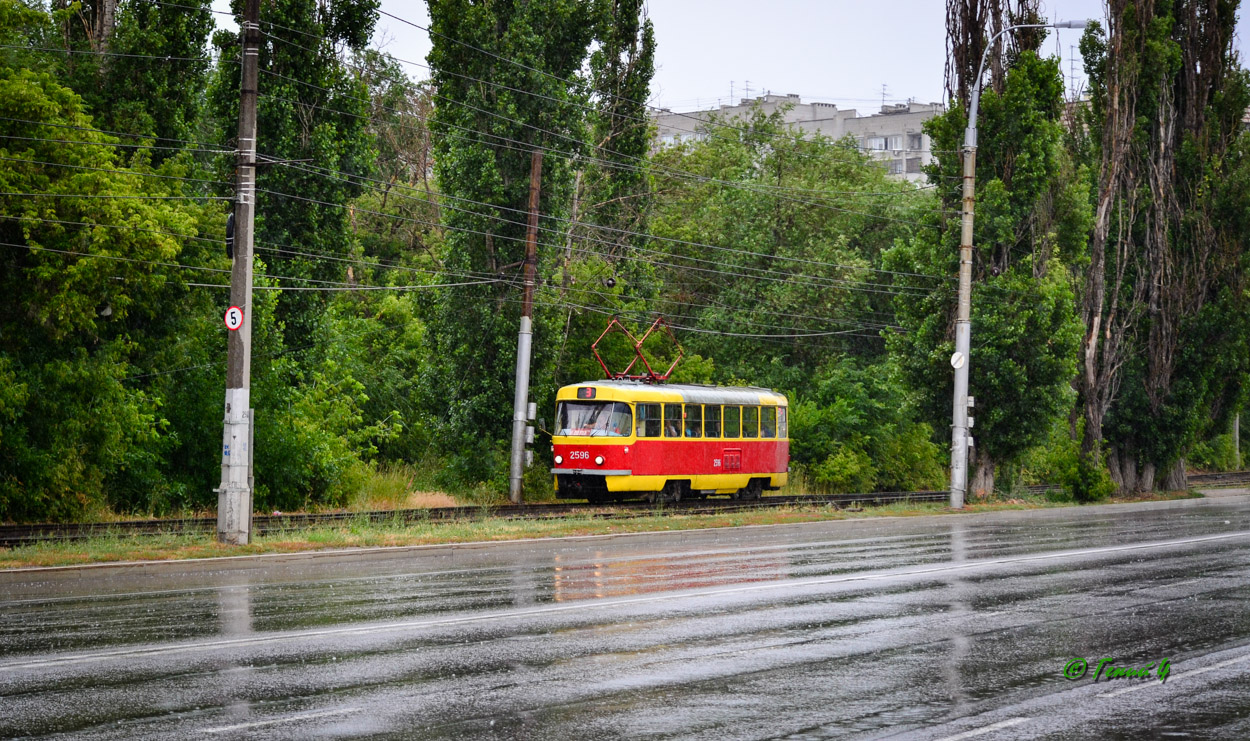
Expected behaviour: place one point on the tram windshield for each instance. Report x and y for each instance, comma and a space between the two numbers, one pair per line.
594, 419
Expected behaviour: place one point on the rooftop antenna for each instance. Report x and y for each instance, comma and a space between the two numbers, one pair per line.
748, 93
883, 88
1072, 68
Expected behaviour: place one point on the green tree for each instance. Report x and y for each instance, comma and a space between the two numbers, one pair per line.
1031, 226
142, 94
766, 246
1165, 300
312, 116
613, 194
502, 72
86, 260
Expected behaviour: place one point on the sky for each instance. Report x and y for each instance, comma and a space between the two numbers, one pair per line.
849, 52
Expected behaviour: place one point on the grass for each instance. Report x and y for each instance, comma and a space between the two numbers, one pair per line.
360, 533
395, 486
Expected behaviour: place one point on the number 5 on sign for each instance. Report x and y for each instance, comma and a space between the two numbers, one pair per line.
234, 318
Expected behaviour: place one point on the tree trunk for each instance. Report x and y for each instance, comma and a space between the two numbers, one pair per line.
1237, 442
983, 479
1100, 365
108, 16
1128, 466
1146, 480
1177, 480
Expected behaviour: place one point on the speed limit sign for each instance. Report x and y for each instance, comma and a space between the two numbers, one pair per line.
234, 318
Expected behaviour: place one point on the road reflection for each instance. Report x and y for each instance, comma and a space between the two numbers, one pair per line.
603, 577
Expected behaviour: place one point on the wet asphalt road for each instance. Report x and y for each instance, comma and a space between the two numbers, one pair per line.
938, 627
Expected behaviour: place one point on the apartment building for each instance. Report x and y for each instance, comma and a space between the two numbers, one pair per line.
893, 136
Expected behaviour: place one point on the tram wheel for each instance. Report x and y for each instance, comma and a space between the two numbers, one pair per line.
671, 493
753, 490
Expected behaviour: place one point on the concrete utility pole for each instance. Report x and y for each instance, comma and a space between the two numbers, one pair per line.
960, 439
520, 402
234, 496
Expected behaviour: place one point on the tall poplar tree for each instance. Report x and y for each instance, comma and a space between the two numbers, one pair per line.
1030, 229
1165, 302
312, 118
506, 80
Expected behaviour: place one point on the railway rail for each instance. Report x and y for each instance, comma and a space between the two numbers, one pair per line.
1227, 478
19, 535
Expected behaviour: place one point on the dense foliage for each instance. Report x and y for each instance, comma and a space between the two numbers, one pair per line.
1110, 307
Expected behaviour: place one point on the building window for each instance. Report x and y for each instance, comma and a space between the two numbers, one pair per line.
876, 142
915, 142
894, 142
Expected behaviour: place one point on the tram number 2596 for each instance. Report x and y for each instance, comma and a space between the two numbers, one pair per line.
583, 455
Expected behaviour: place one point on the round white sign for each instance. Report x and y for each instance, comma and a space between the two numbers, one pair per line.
957, 360
234, 318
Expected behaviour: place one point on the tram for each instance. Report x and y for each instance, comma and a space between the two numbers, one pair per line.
623, 439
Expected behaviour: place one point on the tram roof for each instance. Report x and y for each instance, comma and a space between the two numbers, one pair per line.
694, 393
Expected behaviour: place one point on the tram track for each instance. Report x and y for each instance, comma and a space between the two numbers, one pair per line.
19, 535
1226, 478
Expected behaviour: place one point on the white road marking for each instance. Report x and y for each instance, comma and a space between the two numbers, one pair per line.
285, 719
1175, 677
939, 569
986, 729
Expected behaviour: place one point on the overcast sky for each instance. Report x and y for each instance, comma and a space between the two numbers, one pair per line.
840, 51
848, 52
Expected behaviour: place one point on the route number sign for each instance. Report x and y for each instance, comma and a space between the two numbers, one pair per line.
234, 318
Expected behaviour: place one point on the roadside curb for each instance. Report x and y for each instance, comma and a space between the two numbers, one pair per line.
369, 553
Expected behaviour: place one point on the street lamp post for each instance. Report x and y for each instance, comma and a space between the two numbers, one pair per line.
963, 318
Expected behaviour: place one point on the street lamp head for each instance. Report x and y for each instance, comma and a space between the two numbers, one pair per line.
1072, 24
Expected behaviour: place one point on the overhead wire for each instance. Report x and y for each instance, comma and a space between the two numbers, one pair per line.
521, 65
348, 177
114, 196
651, 236
646, 165
614, 163
764, 273
788, 276
265, 246
324, 284
337, 286
644, 105
115, 171
89, 129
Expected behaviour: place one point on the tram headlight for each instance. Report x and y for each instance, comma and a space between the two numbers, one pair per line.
598, 460
559, 459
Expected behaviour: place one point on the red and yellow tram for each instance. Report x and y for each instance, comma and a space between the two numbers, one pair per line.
623, 439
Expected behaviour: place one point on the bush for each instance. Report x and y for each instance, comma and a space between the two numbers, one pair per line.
846, 471
1216, 454
909, 460
1088, 482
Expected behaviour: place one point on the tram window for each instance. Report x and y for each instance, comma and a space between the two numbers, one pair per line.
672, 420
711, 420
732, 417
768, 421
594, 418
750, 421
649, 421
694, 420
782, 431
